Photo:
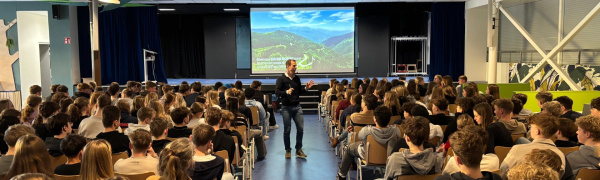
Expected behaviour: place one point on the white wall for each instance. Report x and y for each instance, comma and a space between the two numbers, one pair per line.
32, 30
476, 44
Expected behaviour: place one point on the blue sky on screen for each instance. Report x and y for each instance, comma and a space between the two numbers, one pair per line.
342, 19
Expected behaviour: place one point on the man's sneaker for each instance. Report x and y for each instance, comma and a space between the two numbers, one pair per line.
265, 137
288, 154
300, 153
274, 127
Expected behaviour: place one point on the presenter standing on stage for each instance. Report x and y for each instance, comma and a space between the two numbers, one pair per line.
288, 90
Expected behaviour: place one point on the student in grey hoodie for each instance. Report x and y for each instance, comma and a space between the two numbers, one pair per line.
503, 109
468, 145
588, 133
414, 160
380, 132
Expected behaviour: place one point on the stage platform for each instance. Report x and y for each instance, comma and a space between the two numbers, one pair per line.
270, 81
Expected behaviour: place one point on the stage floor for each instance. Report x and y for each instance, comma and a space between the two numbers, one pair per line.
269, 81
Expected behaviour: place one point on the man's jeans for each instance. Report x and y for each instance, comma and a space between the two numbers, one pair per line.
295, 112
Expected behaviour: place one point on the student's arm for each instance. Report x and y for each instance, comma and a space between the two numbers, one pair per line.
261, 111
362, 134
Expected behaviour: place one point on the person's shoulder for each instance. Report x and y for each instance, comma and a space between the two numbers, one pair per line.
443, 177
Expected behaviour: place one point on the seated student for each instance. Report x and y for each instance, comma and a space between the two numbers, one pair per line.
498, 134
543, 126
110, 120
159, 129
464, 105
206, 165
60, 126
90, 127
197, 110
523, 99
126, 118
127, 96
566, 104
220, 141
529, 170
143, 158
588, 133
595, 110
566, 130
72, 147
543, 97
381, 132
517, 107
369, 103
469, 161
262, 114
96, 162
144, 116
503, 109
181, 119
552, 108
30, 156
462, 121
355, 103
544, 157
175, 161
434, 130
406, 114
47, 109
416, 159
438, 110
11, 135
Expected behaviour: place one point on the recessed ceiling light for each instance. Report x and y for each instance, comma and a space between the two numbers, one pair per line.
231, 9
166, 9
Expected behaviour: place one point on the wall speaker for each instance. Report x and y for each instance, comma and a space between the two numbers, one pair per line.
56, 11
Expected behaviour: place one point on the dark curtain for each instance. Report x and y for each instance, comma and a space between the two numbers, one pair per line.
447, 39
85, 46
183, 45
124, 33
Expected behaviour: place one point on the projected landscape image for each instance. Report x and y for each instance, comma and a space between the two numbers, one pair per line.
321, 41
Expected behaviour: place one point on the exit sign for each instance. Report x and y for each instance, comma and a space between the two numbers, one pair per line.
67, 40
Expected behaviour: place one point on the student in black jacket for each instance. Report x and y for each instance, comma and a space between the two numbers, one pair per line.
181, 119
221, 141
111, 120
60, 126
438, 110
566, 104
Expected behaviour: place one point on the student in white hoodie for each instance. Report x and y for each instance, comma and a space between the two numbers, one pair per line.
145, 116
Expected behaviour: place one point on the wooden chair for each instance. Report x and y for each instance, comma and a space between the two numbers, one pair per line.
444, 127
355, 131
516, 136
394, 119
567, 150
153, 178
225, 155
375, 155
255, 117
435, 140
365, 120
334, 105
452, 108
449, 154
501, 152
588, 174
117, 156
57, 161
420, 177
61, 177
142, 176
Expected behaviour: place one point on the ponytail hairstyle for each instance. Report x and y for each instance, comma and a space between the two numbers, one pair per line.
197, 108
138, 102
64, 104
83, 105
169, 99
74, 112
339, 88
31, 156
29, 113
175, 159
212, 97
47, 109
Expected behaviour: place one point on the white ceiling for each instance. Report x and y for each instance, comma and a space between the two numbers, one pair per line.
279, 1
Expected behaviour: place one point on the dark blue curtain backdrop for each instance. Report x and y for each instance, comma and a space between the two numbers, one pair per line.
447, 39
124, 33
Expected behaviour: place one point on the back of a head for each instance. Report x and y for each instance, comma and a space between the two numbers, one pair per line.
517, 106
11, 112
213, 116
552, 107
545, 157
83, 86
382, 115
417, 129
547, 124
32, 176
202, 134
595, 103
150, 84
145, 113
175, 159
543, 97
31, 156
466, 103
184, 88
197, 87
249, 92
123, 105
96, 162
504, 104
468, 144
440, 103
408, 107
62, 88
57, 122
113, 89
526, 170
46, 110
158, 126
419, 110
470, 91
565, 101
14, 132
140, 140
370, 101
494, 90
464, 120
522, 97
35, 89
109, 115
71, 145
103, 101
255, 84
179, 114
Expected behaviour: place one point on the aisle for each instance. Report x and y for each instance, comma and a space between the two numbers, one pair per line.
321, 162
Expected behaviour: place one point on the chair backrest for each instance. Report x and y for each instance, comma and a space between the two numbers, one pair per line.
334, 105
394, 119
142, 176
365, 120
117, 156
501, 152
449, 154
375, 153
225, 155
255, 118
355, 133
588, 174
435, 140
452, 108
57, 161
444, 127
243, 131
155, 177
567, 150
516, 136
236, 154
420, 177
61, 177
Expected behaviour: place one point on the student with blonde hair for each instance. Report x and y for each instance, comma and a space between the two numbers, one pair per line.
527, 170
31, 110
96, 162
170, 102
588, 133
174, 160
197, 111
212, 99
31, 156
11, 136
